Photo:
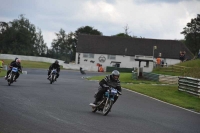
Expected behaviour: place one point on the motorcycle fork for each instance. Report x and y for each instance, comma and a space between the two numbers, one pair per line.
107, 100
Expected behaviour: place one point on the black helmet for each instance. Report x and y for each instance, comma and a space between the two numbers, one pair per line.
56, 62
16, 58
115, 74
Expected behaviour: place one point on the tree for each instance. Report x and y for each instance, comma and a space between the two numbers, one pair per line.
82, 30
88, 30
3, 28
122, 35
20, 37
39, 45
126, 33
61, 45
192, 34
64, 46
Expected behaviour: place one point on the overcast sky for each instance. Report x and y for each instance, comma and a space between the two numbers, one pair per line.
158, 19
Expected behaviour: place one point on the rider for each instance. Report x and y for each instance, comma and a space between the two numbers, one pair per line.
111, 80
16, 63
56, 66
13, 61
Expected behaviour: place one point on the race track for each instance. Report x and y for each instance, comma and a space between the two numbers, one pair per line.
33, 105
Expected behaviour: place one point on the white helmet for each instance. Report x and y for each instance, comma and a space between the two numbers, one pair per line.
115, 74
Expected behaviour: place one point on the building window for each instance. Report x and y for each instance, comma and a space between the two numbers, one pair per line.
111, 57
88, 55
132, 58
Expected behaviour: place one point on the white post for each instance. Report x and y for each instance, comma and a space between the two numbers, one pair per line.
154, 47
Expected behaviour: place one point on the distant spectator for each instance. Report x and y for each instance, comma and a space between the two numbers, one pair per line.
184, 53
100, 69
158, 61
199, 54
162, 62
182, 56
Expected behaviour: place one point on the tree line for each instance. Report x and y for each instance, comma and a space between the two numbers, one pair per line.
23, 38
192, 35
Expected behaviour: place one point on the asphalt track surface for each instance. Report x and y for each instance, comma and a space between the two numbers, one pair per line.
33, 105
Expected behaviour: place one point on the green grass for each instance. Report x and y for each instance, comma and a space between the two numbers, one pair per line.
167, 93
189, 68
125, 78
191, 63
2, 73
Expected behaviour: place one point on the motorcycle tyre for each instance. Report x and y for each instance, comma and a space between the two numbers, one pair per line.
52, 77
105, 112
11, 80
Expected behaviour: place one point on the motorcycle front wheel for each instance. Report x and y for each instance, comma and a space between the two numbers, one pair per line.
51, 79
11, 79
107, 107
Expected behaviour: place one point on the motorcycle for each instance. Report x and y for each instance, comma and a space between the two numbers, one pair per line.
82, 71
12, 75
106, 103
53, 75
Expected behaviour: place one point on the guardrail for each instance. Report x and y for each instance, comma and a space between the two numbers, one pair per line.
151, 76
5, 67
190, 85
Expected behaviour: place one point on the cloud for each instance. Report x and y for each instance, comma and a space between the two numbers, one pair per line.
161, 19
48, 36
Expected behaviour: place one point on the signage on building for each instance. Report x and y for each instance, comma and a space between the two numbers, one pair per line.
102, 58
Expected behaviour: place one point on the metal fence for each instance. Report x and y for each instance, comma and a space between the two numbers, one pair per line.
151, 76
190, 85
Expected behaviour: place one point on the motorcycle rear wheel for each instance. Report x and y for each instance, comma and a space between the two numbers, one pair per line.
94, 109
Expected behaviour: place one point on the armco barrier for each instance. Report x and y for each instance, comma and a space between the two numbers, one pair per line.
134, 75
168, 79
190, 85
161, 78
151, 76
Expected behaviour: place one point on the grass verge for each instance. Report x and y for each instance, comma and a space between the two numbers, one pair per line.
189, 68
125, 78
166, 93
2, 73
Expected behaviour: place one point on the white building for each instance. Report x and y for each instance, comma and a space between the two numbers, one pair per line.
127, 52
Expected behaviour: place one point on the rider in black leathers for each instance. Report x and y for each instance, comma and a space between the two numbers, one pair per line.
16, 63
110, 80
56, 66
13, 61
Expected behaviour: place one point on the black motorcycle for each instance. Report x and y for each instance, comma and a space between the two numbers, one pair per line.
82, 71
106, 103
12, 75
53, 75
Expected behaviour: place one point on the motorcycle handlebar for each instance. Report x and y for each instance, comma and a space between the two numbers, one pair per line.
119, 92
109, 89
